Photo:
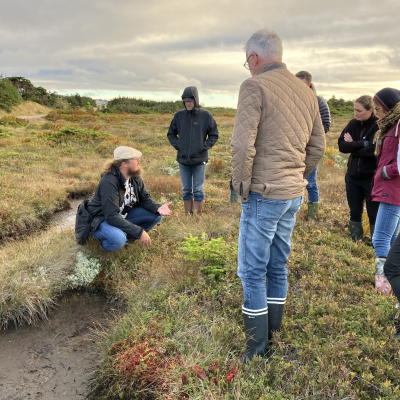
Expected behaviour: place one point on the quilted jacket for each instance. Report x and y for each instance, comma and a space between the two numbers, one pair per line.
278, 137
387, 190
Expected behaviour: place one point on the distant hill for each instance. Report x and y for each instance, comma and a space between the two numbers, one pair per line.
26, 108
15, 89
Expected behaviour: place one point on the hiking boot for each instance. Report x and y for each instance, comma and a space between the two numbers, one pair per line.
382, 285
313, 209
256, 330
356, 230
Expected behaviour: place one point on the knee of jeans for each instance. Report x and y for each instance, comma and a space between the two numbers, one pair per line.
118, 241
158, 219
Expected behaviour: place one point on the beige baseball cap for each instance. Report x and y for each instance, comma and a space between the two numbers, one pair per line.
126, 153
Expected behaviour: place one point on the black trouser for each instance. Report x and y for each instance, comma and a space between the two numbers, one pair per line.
391, 268
357, 191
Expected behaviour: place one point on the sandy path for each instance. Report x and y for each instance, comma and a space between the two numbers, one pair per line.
32, 116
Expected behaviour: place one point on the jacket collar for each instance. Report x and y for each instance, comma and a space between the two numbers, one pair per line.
371, 120
121, 179
271, 66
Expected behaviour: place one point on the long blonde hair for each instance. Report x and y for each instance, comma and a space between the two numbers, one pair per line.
110, 164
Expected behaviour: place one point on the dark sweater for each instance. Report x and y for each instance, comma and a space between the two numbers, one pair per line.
362, 160
325, 113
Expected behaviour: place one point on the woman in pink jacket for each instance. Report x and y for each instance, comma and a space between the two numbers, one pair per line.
386, 182
392, 264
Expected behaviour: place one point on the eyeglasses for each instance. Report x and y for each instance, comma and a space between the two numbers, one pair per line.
246, 64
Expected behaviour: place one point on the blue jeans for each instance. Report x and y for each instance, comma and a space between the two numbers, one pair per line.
266, 226
312, 187
113, 238
192, 181
386, 228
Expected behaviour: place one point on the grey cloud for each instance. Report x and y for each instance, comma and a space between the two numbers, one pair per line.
134, 45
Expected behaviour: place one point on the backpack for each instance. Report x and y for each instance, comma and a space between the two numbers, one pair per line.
83, 223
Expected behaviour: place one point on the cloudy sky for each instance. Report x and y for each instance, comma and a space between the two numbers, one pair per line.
153, 49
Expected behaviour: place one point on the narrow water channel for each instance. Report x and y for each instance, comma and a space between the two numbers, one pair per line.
55, 359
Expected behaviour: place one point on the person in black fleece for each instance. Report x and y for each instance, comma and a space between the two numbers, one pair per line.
357, 138
193, 131
312, 186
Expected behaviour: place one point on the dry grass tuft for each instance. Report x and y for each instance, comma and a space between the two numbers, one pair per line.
32, 274
165, 186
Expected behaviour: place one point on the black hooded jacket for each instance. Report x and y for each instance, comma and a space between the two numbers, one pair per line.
109, 197
192, 132
362, 160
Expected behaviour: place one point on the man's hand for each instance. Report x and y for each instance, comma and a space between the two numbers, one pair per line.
164, 209
145, 238
347, 137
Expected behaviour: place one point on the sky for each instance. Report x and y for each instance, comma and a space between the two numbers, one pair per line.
153, 49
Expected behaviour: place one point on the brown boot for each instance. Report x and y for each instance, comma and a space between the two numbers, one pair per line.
198, 205
188, 207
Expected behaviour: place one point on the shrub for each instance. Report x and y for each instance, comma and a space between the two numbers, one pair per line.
329, 162
78, 101
341, 107
71, 133
331, 152
216, 165
213, 255
9, 120
84, 273
9, 95
140, 106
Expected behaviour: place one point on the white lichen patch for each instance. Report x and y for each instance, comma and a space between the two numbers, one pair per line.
85, 271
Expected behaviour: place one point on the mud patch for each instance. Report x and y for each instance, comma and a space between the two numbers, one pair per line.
56, 359
66, 219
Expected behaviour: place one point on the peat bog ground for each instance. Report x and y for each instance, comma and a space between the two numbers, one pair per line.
180, 335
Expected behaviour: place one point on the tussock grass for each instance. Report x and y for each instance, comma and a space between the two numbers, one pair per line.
32, 274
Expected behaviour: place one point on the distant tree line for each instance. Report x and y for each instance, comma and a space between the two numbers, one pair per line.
340, 107
140, 106
15, 89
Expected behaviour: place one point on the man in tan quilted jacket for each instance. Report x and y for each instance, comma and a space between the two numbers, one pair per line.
278, 139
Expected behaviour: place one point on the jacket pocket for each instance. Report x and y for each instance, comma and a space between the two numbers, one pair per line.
267, 189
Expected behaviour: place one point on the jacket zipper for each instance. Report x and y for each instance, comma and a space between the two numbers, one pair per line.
190, 137
361, 135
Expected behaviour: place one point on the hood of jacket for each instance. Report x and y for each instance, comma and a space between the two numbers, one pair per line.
191, 91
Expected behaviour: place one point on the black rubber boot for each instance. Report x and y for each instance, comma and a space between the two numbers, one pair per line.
256, 330
275, 313
356, 230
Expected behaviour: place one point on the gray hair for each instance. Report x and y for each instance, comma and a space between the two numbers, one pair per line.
265, 43
305, 75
